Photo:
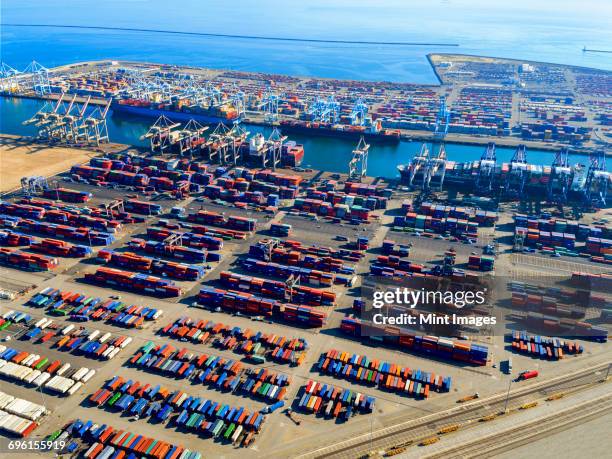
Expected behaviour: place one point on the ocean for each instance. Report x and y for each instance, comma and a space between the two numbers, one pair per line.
543, 30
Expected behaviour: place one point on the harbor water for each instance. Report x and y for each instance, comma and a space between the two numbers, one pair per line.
326, 153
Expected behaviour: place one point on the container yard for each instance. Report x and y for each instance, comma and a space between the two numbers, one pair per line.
205, 293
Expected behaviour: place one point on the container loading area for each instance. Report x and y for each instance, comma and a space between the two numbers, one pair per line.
201, 311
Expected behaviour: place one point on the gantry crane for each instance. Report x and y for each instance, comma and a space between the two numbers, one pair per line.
358, 165
191, 138
161, 134
269, 105
417, 165
9, 81
435, 169
560, 178
273, 149
95, 127
442, 120
516, 176
597, 180
38, 76
486, 169
359, 113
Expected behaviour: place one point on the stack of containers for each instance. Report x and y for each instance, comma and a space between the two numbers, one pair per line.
142, 207
277, 289
67, 195
329, 400
26, 261
63, 231
13, 239
306, 275
384, 375
189, 239
389, 248
543, 347
157, 266
175, 251
279, 229
234, 301
135, 282
61, 248
440, 347
481, 263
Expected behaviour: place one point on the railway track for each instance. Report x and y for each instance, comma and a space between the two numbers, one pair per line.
495, 443
413, 431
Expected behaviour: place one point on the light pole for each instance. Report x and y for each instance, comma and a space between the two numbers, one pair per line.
507, 396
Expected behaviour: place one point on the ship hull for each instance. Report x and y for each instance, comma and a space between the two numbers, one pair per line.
326, 132
153, 112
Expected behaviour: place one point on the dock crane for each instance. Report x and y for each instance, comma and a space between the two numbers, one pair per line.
435, 169
160, 134
269, 105
486, 169
46, 114
442, 120
516, 177
9, 81
358, 165
359, 113
325, 110
55, 130
236, 136
597, 180
417, 164
96, 129
30, 186
191, 137
74, 123
273, 149
38, 75
217, 144
560, 178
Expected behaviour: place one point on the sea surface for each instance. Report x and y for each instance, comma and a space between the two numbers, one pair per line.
332, 154
542, 30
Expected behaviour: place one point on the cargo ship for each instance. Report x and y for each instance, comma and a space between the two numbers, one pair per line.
537, 177
176, 111
370, 133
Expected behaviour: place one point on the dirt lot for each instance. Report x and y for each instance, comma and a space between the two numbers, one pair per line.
20, 158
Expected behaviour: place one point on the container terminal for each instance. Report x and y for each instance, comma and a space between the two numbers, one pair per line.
206, 295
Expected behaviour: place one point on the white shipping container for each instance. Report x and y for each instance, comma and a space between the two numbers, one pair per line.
25, 409
63, 369
32, 376
46, 324
67, 329
107, 351
5, 399
80, 373
104, 337
125, 342
44, 377
91, 449
28, 360
113, 353
236, 434
90, 374
93, 335
8, 314
74, 388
